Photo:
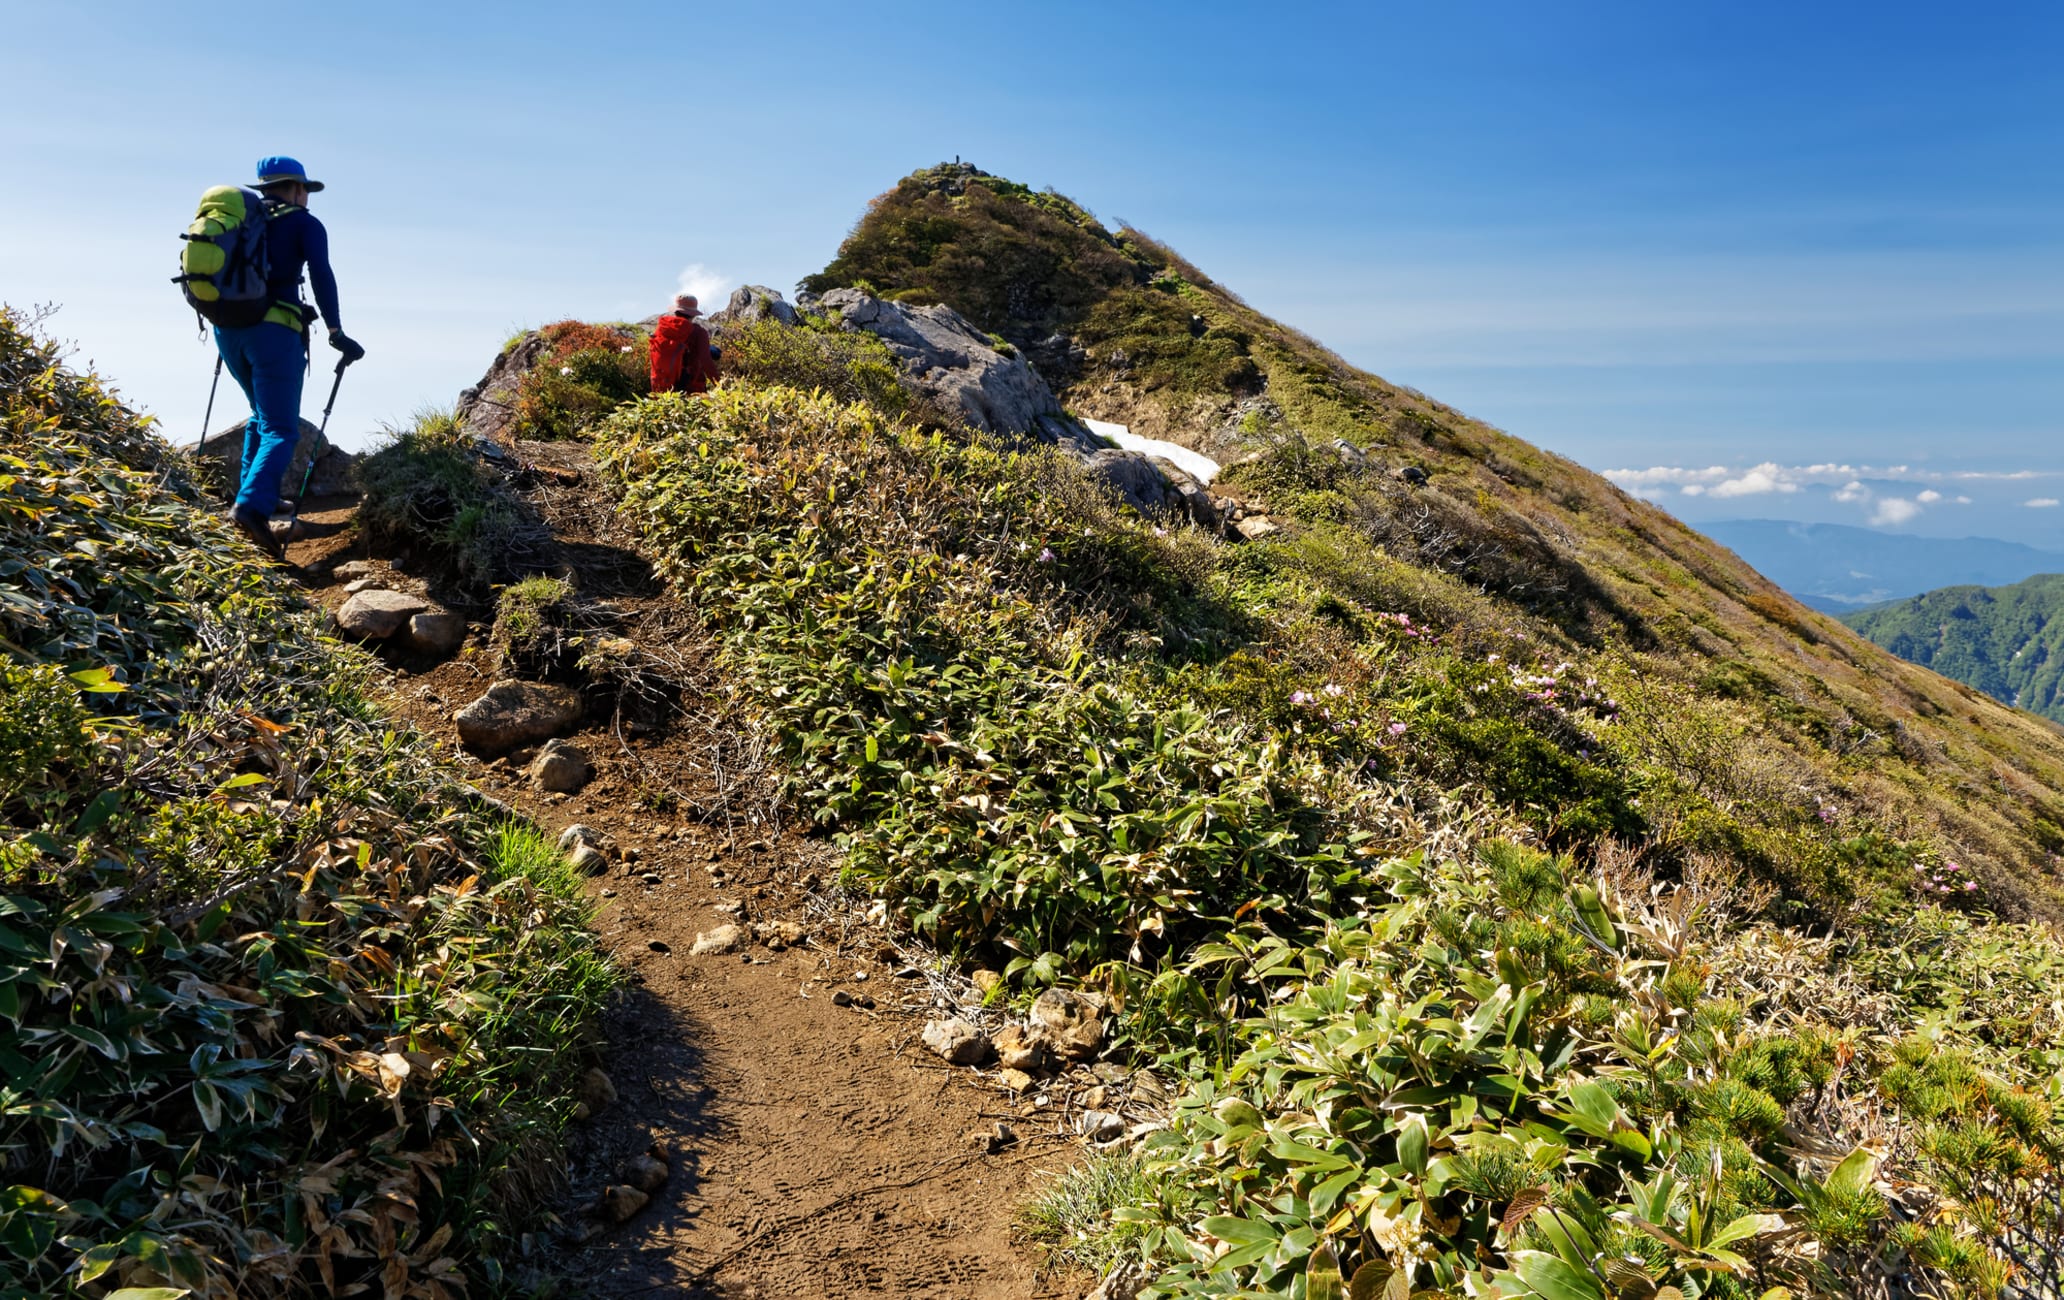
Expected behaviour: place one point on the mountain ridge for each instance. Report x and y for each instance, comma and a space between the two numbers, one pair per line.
1143, 338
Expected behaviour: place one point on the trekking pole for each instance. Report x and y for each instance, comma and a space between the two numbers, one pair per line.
209, 416
321, 441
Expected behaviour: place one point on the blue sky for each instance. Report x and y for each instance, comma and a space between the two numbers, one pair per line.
1762, 251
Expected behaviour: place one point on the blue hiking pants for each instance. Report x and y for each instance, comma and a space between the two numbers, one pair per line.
269, 364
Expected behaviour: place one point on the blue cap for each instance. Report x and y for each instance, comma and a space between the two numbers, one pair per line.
281, 168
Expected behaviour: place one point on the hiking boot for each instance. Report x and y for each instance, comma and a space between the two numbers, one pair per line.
259, 529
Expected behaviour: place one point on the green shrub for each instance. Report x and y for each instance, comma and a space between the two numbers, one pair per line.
1066, 812
428, 490
43, 728
582, 373
1152, 331
851, 365
533, 626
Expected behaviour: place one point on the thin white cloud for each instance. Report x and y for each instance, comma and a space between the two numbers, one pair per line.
1926, 496
1892, 511
2040, 503
1760, 481
1662, 475
1963, 500
1852, 491
707, 284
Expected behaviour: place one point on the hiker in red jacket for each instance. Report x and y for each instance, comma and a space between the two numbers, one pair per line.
681, 360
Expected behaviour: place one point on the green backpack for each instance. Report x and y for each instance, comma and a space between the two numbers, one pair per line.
224, 267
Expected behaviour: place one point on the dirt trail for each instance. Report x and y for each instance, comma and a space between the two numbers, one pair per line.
816, 1150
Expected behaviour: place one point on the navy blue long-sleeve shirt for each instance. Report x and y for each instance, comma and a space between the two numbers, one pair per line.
294, 239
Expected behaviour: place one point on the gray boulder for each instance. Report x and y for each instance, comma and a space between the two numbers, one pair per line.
948, 359
434, 632
1138, 480
514, 713
1195, 500
336, 471
377, 614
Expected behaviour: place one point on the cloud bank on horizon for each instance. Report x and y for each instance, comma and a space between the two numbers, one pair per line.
1883, 493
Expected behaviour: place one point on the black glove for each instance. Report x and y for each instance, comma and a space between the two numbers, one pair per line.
347, 345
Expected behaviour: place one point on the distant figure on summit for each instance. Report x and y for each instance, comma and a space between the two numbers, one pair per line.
682, 358
269, 359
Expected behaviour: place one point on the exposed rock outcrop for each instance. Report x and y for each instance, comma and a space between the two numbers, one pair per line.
947, 358
1071, 1023
753, 302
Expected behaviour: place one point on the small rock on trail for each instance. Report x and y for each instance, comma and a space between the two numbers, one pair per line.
561, 766
646, 1173
597, 1091
1020, 1049
956, 1041
723, 939
778, 935
620, 1202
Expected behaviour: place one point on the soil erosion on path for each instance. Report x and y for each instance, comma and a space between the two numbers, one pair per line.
815, 1147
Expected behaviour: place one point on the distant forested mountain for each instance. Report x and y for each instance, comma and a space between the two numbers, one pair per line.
2006, 641
1836, 568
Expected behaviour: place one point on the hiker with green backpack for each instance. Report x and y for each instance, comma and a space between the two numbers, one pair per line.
241, 271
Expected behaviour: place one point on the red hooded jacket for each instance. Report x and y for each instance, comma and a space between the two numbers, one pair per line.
680, 355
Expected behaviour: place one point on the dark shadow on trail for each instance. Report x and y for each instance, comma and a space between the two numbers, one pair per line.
666, 1104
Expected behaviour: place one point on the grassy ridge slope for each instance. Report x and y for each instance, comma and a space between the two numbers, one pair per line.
1286, 832
281, 1016
1820, 718
2005, 641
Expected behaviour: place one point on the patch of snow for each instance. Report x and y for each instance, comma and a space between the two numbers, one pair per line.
1194, 463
